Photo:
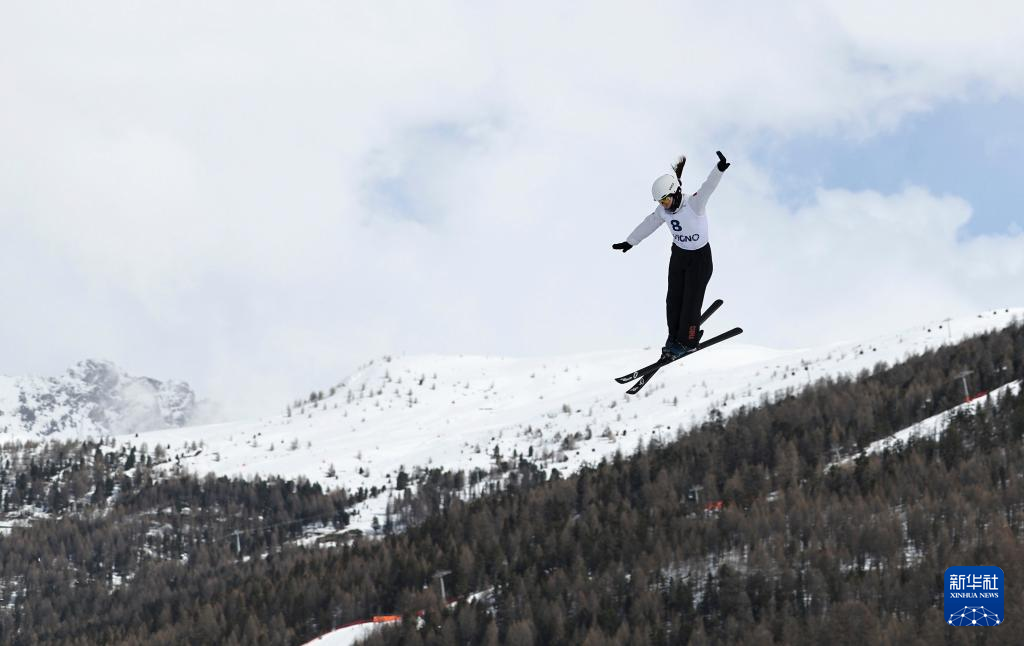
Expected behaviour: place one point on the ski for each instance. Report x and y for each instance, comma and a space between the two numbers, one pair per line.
625, 379
646, 377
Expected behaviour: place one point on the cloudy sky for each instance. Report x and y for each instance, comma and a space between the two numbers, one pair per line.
258, 197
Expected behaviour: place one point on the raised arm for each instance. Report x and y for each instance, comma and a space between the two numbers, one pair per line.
700, 199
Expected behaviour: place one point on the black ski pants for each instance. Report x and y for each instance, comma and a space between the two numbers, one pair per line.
688, 276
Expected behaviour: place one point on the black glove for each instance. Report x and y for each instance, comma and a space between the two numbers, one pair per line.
722, 164
624, 246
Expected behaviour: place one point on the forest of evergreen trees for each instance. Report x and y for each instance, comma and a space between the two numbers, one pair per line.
626, 552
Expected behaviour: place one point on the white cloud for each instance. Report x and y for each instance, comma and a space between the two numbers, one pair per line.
856, 263
206, 191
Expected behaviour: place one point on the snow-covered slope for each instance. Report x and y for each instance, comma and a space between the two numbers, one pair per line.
345, 636
94, 398
453, 412
934, 426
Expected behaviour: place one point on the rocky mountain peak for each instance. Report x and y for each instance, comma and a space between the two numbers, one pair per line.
93, 398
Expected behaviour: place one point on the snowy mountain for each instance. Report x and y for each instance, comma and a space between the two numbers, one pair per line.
93, 398
466, 412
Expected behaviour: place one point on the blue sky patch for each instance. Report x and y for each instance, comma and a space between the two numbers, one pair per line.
974, 150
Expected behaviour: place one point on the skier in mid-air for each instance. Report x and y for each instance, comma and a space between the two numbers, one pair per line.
690, 267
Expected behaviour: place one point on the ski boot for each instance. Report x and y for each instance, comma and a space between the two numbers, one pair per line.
676, 349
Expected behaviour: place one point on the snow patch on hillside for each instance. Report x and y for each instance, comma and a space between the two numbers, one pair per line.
934, 426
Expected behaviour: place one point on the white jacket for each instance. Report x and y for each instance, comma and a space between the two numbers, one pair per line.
689, 223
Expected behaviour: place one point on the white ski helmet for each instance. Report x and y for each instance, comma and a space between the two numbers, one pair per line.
663, 186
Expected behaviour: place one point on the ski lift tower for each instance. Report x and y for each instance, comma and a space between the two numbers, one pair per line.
440, 575
962, 376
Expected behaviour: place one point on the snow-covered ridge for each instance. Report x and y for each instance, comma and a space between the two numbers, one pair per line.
92, 399
454, 412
